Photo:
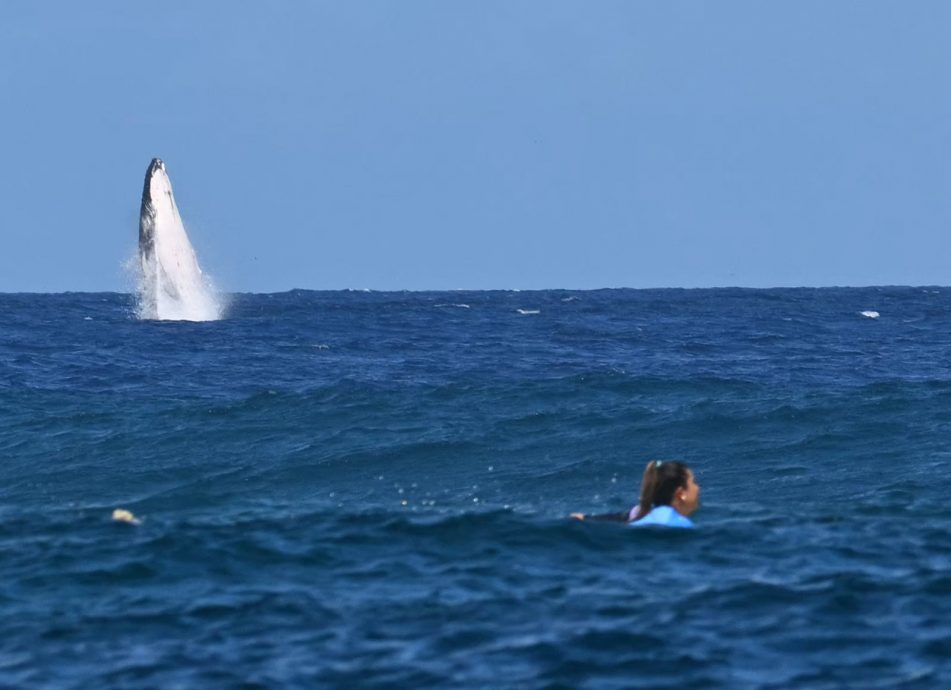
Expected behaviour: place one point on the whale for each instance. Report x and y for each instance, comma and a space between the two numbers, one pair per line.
172, 286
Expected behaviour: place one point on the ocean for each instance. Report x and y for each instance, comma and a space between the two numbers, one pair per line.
371, 489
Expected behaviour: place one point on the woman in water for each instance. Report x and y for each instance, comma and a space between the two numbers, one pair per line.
669, 494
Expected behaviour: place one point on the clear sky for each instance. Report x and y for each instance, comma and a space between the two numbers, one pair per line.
481, 144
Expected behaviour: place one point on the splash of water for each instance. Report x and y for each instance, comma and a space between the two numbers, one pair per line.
171, 284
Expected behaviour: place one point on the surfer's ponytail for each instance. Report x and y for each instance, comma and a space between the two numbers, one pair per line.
661, 480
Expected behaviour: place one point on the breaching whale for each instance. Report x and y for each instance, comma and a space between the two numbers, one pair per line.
172, 285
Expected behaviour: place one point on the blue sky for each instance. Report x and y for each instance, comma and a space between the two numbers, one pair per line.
443, 145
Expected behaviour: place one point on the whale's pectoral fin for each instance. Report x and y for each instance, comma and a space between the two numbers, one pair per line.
168, 285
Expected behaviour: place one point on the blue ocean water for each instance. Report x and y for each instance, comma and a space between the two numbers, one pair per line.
369, 490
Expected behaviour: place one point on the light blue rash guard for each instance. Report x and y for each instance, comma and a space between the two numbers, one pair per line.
663, 516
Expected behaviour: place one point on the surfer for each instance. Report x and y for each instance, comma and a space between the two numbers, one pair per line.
669, 495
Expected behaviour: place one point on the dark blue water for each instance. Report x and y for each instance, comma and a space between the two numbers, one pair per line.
369, 490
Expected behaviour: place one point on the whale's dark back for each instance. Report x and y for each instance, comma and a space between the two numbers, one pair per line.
147, 213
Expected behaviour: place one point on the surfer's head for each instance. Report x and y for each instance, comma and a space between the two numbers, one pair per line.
668, 483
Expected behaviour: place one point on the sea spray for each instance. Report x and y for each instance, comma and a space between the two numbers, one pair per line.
171, 285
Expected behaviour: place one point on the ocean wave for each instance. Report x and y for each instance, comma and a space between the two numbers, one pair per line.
348, 488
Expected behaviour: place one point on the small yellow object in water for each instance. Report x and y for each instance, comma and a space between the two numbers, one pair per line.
121, 515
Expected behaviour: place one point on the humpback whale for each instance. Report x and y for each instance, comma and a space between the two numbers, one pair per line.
172, 285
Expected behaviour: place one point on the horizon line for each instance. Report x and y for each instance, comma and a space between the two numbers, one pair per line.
544, 289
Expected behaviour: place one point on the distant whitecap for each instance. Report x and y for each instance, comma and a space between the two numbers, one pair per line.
527, 312
870, 314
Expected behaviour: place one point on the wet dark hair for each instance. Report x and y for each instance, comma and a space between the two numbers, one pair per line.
661, 480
